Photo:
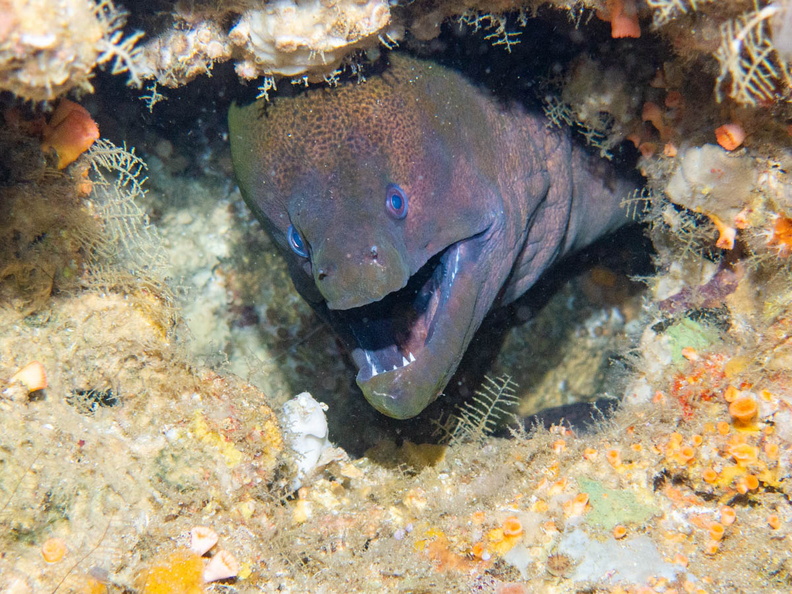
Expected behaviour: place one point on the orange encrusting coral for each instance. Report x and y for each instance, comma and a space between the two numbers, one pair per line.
731, 393
53, 550
727, 515
16, 121
781, 236
747, 483
743, 410
577, 506
730, 136
70, 132
512, 526
613, 456
716, 531
623, 17
502, 540
744, 453
647, 149
674, 100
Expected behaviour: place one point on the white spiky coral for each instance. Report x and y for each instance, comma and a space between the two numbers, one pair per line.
665, 11
752, 70
48, 47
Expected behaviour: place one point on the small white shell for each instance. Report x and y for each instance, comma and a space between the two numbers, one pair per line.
32, 376
220, 567
202, 539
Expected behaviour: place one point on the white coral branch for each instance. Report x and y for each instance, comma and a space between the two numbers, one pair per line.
751, 69
114, 46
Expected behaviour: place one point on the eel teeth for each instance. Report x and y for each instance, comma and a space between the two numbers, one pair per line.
410, 358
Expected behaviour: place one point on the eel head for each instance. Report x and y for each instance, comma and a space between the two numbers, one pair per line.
383, 220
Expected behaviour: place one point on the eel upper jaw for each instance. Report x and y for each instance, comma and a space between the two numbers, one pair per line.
408, 345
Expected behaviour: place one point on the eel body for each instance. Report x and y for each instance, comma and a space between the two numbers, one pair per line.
410, 205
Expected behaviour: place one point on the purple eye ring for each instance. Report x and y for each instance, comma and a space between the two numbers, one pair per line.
296, 242
395, 201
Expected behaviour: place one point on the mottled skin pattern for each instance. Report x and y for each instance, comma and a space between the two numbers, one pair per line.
494, 197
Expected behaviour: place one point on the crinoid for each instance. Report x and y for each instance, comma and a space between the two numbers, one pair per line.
751, 68
127, 254
479, 417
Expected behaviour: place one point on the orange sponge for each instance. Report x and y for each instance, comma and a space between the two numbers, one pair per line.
180, 572
70, 132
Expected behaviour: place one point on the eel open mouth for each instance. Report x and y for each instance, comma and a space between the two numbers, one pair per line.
405, 345
392, 332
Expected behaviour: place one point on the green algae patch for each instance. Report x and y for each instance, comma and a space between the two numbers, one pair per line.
610, 507
688, 333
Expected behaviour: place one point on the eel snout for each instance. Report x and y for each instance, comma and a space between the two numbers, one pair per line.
351, 277
408, 344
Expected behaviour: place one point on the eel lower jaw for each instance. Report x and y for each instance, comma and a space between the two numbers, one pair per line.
408, 344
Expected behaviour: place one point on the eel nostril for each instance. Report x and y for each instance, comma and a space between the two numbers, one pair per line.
373, 252
322, 273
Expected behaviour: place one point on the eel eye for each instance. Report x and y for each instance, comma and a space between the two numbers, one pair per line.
296, 242
396, 201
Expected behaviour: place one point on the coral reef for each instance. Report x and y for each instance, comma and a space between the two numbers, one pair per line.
42, 59
105, 423
281, 38
131, 459
125, 431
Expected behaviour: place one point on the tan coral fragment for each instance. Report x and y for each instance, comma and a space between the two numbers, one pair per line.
309, 38
183, 52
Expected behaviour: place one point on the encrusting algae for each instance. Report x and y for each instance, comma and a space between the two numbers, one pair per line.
132, 460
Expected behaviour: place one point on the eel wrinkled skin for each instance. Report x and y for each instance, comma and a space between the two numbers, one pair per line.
408, 206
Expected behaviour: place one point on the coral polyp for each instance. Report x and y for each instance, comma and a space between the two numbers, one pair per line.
779, 237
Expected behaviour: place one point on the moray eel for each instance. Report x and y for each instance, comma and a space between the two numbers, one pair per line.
408, 206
